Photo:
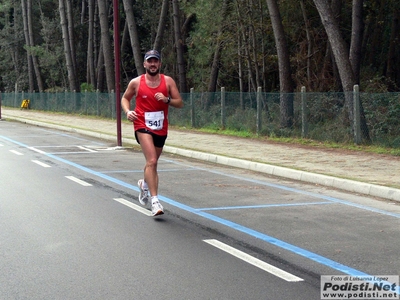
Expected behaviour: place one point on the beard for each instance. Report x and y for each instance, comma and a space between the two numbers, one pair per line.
152, 73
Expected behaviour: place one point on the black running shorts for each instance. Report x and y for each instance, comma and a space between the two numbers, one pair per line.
158, 140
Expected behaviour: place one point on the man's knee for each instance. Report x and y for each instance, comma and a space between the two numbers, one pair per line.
151, 163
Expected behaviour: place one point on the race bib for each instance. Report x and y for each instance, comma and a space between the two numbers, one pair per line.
154, 120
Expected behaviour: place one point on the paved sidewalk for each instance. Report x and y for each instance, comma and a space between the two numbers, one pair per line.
369, 174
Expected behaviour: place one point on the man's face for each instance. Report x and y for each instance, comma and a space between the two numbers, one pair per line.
152, 66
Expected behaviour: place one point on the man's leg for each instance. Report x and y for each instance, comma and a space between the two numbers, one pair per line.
151, 154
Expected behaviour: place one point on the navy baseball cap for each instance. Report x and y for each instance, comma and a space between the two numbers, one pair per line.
152, 54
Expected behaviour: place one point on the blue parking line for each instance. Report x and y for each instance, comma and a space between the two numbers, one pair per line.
263, 206
251, 232
269, 239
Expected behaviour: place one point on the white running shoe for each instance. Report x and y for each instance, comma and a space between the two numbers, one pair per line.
143, 193
156, 208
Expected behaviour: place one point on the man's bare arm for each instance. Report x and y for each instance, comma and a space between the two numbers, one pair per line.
176, 99
127, 96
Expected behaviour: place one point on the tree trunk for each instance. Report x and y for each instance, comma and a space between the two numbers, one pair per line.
285, 79
377, 31
341, 55
161, 25
100, 69
240, 72
106, 43
212, 84
35, 61
339, 47
14, 53
244, 41
356, 39
71, 40
393, 64
83, 11
98, 50
125, 47
336, 6
253, 44
27, 42
179, 47
67, 50
264, 64
91, 78
254, 48
133, 33
309, 45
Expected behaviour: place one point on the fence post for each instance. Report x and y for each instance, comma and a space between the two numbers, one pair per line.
259, 110
73, 108
65, 100
15, 95
85, 93
356, 115
112, 104
97, 102
304, 113
223, 109
47, 101
192, 112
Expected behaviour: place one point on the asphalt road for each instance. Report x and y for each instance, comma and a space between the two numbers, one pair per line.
72, 227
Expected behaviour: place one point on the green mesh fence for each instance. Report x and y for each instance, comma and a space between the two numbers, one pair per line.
94, 104
382, 112
318, 116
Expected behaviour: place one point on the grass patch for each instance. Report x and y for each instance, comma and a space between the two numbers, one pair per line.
297, 141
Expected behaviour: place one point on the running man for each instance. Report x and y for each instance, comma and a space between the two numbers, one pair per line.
154, 94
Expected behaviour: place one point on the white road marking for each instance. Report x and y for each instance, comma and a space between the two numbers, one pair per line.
36, 150
136, 207
87, 149
41, 164
254, 261
81, 182
16, 152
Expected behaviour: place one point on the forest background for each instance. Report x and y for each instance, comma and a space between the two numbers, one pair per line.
278, 46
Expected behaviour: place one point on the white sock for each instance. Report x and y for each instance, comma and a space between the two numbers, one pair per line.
144, 185
154, 199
